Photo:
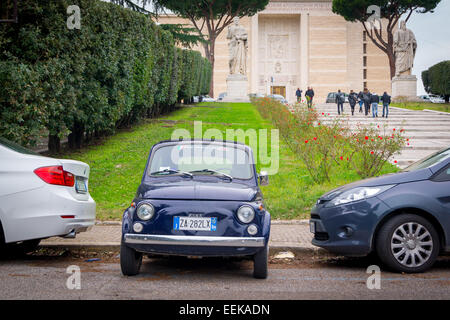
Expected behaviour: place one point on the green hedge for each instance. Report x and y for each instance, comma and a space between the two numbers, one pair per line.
117, 69
436, 79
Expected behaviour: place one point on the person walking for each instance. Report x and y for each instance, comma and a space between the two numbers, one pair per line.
361, 101
340, 99
298, 94
352, 98
386, 99
366, 100
375, 100
309, 94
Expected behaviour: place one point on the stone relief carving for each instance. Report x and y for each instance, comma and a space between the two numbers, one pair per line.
278, 46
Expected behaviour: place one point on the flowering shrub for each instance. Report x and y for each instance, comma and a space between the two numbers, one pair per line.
325, 144
371, 147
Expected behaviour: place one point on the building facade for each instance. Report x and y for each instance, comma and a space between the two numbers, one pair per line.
300, 43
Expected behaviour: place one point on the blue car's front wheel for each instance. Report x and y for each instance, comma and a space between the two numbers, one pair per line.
130, 260
260, 263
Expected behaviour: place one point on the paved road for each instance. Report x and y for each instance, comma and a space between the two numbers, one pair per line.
44, 277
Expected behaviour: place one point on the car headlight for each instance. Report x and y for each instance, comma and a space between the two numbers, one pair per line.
357, 194
145, 211
246, 214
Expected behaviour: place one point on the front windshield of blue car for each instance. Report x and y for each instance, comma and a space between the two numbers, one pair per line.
201, 159
430, 161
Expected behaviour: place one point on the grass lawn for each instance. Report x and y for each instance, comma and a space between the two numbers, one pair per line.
444, 107
117, 162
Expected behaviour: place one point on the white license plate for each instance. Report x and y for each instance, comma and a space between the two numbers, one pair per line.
195, 223
312, 227
80, 185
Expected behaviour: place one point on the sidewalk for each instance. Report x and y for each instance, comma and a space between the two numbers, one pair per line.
290, 235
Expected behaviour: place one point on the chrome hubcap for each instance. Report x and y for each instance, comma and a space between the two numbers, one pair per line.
411, 244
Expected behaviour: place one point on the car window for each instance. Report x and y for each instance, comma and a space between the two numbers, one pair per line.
444, 175
430, 161
196, 157
16, 147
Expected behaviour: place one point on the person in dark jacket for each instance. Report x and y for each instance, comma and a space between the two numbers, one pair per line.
366, 100
386, 99
375, 100
361, 101
340, 99
352, 98
309, 94
298, 94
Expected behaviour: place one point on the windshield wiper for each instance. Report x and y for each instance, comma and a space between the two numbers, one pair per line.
213, 172
171, 171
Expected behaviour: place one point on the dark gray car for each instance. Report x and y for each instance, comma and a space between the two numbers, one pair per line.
403, 217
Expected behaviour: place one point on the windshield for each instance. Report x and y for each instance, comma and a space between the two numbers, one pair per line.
430, 161
204, 159
16, 147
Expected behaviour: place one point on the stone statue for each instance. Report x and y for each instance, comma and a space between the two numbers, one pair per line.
238, 47
405, 46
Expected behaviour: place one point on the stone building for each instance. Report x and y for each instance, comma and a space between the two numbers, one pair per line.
301, 43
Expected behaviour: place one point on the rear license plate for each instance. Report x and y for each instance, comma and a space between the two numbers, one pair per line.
312, 227
195, 223
80, 185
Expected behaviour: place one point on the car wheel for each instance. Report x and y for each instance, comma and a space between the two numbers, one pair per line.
260, 261
408, 243
130, 260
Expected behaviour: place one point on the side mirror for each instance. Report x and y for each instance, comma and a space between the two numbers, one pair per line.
263, 178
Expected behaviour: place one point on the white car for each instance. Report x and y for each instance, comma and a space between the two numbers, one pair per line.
41, 197
208, 99
436, 99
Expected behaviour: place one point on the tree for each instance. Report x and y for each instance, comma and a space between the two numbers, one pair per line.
436, 79
391, 10
211, 17
183, 35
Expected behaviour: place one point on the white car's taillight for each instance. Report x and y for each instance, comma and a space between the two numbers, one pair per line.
55, 175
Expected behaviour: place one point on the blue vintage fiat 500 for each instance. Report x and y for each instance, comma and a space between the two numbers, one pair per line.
197, 198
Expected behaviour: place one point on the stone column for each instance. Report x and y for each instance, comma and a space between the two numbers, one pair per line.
304, 50
254, 54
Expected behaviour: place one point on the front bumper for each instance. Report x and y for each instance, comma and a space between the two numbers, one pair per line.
248, 242
347, 229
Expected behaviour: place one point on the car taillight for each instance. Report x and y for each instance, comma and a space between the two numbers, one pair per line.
56, 175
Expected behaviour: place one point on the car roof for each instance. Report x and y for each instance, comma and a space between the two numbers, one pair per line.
186, 141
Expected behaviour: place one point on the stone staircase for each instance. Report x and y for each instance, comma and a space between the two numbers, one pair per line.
428, 131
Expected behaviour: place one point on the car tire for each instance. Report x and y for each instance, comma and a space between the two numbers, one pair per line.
400, 249
260, 263
130, 260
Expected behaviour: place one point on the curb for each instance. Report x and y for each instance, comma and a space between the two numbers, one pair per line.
108, 246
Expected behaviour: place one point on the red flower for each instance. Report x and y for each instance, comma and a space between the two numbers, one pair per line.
372, 140
367, 138
347, 158
342, 158
371, 152
315, 138
394, 129
395, 161
323, 113
306, 141
318, 124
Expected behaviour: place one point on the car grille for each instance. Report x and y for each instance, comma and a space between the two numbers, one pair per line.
321, 236
315, 216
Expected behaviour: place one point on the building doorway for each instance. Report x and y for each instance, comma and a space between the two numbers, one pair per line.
278, 90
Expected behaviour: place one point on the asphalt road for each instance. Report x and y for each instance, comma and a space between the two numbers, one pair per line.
43, 276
